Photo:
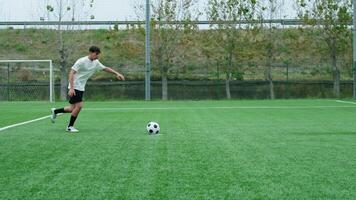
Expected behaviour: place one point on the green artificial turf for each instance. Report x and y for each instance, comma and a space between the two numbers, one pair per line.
294, 149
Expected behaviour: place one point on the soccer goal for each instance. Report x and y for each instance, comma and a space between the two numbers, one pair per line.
26, 80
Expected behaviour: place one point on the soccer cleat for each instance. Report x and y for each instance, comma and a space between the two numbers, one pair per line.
71, 129
53, 115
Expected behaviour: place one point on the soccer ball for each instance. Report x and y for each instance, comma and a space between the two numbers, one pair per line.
153, 128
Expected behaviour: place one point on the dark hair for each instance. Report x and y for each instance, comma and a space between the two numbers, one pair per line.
94, 49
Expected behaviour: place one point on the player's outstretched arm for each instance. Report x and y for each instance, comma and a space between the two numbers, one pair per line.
117, 74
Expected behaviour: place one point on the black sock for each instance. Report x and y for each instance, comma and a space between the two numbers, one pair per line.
60, 110
72, 120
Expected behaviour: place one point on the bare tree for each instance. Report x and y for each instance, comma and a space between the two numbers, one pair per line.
61, 10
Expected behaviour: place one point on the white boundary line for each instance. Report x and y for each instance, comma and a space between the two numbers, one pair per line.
349, 102
23, 123
191, 108
231, 107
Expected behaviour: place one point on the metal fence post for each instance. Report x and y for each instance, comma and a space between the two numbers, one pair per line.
8, 81
148, 53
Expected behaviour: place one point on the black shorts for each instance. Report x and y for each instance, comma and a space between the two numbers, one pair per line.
77, 98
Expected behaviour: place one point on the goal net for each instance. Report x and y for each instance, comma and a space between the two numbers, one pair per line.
26, 80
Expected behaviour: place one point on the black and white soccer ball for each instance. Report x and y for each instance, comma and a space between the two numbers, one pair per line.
153, 128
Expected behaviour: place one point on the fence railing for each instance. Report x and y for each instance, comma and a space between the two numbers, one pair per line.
181, 90
289, 22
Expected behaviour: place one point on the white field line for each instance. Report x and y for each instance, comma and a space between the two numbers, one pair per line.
23, 123
189, 108
348, 102
229, 107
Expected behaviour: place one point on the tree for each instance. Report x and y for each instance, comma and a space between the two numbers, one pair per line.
66, 10
228, 35
169, 39
331, 16
270, 46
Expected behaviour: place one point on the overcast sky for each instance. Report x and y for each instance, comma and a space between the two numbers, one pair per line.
27, 10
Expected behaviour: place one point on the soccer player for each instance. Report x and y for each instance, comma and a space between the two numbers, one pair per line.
81, 71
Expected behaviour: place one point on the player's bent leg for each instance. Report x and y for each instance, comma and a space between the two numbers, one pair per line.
55, 112
69, 109
77, 108
75, 113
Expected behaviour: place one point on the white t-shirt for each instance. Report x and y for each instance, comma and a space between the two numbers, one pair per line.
85, 68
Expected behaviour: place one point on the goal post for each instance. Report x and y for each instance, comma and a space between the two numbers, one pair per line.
27, 80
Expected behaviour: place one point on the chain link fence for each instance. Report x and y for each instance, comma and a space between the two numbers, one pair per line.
193, 66
24, 81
